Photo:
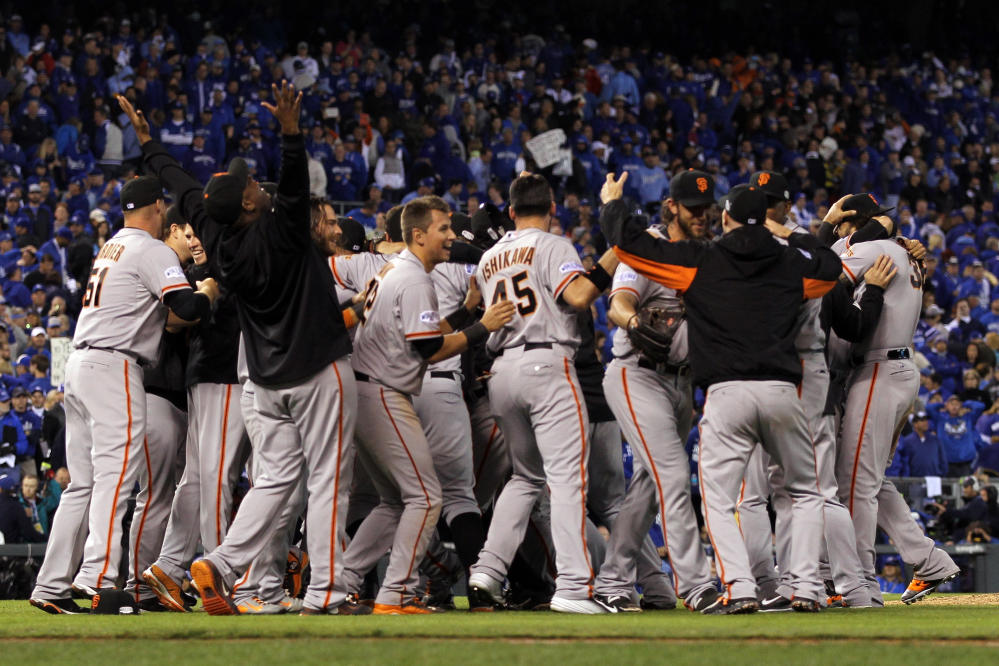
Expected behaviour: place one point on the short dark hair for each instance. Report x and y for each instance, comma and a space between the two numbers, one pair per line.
393, 224
41, 361
418, 214
531, 196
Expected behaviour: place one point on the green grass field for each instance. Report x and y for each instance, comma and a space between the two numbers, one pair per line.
948, 630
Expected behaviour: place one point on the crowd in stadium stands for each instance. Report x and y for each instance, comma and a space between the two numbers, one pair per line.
393, 121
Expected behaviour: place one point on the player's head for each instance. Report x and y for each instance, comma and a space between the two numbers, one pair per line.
866, 208
488, 224
743, 206
143, 205
774, 186
691, 194
325, 229
426, 229
531, 201
194, 245
352, 235
174, 236
393, 224
234, 197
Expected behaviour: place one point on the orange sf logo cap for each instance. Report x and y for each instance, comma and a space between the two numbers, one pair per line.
763, 179
702, 184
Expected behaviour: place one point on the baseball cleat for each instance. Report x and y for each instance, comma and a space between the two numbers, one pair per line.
805, 606
577, 606
484, 591
836, 601
706, 600
214, 593
80, 591
167, 591
292, 604
58, 606
413, 606
151, 605
617, 603
777, 604
919, 589
733, 606
257, 606
657, 605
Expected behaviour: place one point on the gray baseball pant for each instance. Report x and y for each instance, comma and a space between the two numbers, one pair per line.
538, 404
879, 396
104, 433
661, 482
737, 415
442, 412
490, 456
309, 424
396, 455
217, 450
165, 436
754, 523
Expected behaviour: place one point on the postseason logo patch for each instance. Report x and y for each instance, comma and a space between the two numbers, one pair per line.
174, 272
570, 267
627, 276
430, 317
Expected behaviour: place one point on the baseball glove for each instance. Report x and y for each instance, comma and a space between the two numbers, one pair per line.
653, 333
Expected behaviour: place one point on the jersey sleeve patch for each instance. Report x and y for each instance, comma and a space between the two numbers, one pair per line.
627, 276
430, 317
174, 272
570, 267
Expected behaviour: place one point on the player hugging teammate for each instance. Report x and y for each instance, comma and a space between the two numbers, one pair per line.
457, 415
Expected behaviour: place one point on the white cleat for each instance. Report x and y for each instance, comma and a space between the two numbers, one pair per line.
577, 606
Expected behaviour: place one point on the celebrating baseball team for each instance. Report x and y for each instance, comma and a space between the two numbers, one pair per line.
436, 398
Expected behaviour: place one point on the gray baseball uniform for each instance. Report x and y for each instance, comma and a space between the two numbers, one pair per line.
120, 327
880, 391
636, 393
538, 404
401, 308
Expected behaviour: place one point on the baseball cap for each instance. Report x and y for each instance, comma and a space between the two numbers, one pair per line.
774, 185
140, 192
865, 206
461, 225
692, 188
35, 187
488, 224
10, 478
352, 236
38, 330
748, 206
426, 182
224, 192
37, 387
19, 392
934, 311
920, 416
114, 602
64, 232
37, 287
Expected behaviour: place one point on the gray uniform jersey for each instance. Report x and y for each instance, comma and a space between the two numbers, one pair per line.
531, 267
810, 336
649, 294
903, 297
401, 307
451, 284
353, 272
123, 305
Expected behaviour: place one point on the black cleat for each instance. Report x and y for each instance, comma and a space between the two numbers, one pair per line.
805, 606
777, 604
706, 600
733, 606
58, 606
617, 603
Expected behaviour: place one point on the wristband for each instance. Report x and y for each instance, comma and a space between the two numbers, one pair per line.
600, 278
476, 333
459, 319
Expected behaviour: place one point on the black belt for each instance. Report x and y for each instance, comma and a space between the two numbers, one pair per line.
664, 368
528, 346
361, 377
138, 361
898, 354
443, 374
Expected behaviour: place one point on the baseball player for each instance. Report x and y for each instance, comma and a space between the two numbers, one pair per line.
296, 349
763, 475
134, 279
535, 395
163, 448
741, 295
636, 385
400, 333
880, 393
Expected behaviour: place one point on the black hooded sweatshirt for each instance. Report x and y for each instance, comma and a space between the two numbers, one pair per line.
742, 292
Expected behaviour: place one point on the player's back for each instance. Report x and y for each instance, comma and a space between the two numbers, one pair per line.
903, 299
531, 267
122, 308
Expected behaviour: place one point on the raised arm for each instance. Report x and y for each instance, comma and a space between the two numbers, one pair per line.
293, 180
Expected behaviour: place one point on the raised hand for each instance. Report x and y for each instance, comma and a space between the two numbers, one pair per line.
836, 213
138, 120
613, 189
286, 108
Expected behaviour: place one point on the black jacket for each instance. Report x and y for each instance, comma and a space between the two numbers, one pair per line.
214, 342
291, 323
742, 293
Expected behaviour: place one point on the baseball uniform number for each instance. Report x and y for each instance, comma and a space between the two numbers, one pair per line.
94, 286
370, 300
916, 277
527, 302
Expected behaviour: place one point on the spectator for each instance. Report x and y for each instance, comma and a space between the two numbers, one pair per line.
920, 453
15, 526
13, 442
37, 508
954, 424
